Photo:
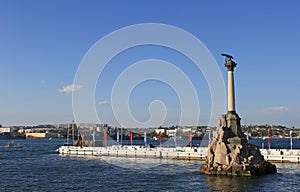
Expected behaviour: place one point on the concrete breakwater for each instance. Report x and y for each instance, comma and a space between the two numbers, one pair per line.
180, 153
183, 153
281, 155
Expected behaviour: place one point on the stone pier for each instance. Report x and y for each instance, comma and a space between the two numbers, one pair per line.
229, 152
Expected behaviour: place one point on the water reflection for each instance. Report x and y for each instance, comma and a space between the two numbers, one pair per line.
285, 180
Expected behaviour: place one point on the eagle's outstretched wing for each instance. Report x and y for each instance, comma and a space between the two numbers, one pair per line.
227, 56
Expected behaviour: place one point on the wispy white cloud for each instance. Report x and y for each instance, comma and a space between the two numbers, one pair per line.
277, 108
70, 88
104, 102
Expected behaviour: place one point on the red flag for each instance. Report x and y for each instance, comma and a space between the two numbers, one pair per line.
130, 135
82, 136
190, 137
159, 137
269, 140
104, 137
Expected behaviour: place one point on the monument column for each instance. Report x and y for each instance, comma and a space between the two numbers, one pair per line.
231, 97
232, 118
229, 152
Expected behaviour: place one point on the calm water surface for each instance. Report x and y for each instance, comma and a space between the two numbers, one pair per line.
37, 167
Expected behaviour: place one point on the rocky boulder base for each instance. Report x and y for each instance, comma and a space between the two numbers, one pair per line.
230, 154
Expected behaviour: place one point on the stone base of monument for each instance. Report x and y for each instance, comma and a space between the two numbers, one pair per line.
230, 154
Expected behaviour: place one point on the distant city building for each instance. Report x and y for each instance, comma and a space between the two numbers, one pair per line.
42, 135
4, 129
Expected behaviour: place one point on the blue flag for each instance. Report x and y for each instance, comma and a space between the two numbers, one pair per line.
94, 135
174, 136
247, 135
145, 138
118, 135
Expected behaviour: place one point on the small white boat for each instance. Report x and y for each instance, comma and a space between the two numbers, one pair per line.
11, 144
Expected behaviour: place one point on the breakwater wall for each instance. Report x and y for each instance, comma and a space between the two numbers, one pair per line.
180, 153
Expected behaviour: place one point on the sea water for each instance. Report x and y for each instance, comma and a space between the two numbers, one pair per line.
37, 167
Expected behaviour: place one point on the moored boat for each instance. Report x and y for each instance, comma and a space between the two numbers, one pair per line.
12, 144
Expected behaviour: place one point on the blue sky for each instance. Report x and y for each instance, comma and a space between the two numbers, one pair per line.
43, 42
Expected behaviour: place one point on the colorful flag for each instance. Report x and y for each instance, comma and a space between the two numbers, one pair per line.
159, 137
94, 135
104, 138
118, 136
174, 136
145, 138
130, 136
82, 136
247, 135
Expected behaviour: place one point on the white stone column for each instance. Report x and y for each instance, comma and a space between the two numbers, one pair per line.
232, 118
230, 92
231, 97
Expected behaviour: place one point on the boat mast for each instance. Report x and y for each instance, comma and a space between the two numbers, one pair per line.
67, 134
